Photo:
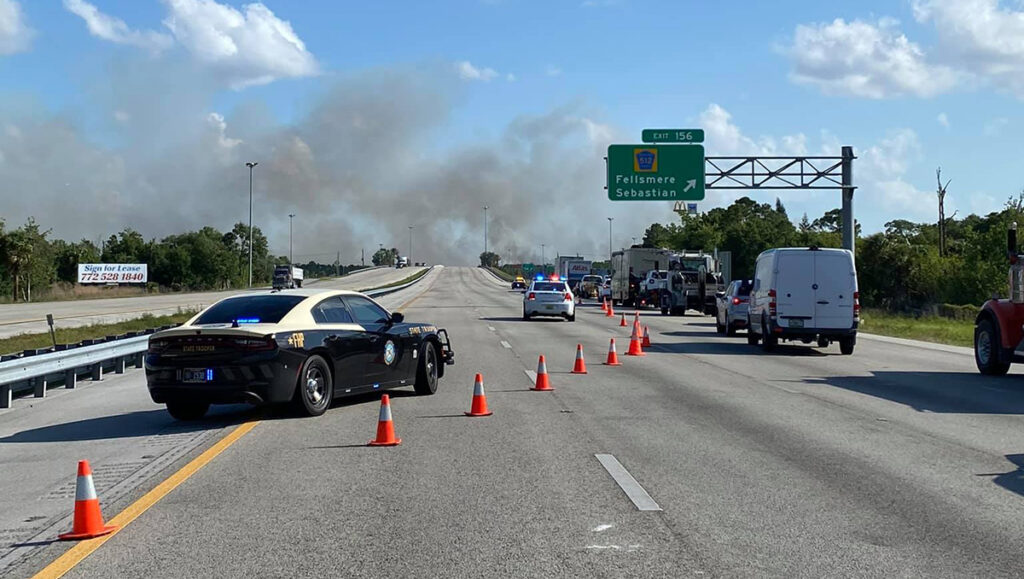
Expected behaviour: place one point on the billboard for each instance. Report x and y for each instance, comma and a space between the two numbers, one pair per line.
113, 273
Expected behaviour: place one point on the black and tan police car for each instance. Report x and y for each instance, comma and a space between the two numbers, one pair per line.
301, 346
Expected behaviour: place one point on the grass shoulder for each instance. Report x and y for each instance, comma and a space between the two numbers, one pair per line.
409, 279
936, 329
22, 342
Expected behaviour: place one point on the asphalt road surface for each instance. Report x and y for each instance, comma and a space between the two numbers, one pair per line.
31, 318
896, 461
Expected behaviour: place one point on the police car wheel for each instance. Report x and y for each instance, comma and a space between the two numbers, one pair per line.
426, 373
315, 390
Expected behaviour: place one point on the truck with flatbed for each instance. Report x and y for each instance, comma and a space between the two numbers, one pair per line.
287, 277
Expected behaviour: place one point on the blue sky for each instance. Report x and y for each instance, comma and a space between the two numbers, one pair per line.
911, 85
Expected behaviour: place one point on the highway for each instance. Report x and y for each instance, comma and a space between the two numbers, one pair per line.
31, 318
899, 460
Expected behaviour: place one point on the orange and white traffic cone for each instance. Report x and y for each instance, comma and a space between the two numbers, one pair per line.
634, 344
604, 305
479, 407
543, 383
613, 356
611, 310
622, 324
636, 321
581, 366
385, 427
88, 522
647, 337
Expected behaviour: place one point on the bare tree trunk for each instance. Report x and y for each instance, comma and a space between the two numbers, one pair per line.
942, 210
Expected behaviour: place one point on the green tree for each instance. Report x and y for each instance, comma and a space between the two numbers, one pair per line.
489, 259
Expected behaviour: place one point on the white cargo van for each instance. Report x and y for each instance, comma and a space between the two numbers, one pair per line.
805, 294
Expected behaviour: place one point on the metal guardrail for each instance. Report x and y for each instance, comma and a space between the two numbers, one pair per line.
36, 371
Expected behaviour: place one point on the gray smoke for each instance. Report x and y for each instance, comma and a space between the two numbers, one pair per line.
359, 166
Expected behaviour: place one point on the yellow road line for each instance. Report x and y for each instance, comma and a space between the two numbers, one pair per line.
76, 554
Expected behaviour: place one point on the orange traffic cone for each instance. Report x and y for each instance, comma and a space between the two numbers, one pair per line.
634, 344
88, 522
385, 427
581, 366
604, 305
647, 337
636, 322
622, 324
613, 356
611, 310
542, 376
479, 407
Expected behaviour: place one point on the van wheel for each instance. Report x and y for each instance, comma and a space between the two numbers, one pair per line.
768, 340
752, 338
846, 345
823, 342
986, 353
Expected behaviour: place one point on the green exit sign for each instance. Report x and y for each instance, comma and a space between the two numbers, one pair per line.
672, 136
656, 173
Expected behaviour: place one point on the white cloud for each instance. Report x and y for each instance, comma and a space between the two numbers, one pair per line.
15, 34
115, 30
250, 48
980, 36
510, 77
553, 70
995, 126
725, 138
943, 120
122, 116
469, 72
866, 60
881, 170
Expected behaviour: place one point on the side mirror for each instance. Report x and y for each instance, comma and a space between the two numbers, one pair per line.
719, 295
397, 318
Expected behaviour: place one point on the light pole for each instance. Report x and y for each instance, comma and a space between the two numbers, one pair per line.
543, 260
250, 165
610, 219
290, 217
410, 244
485, 229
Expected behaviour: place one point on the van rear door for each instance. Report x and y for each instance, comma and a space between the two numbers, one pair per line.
833, 298
794, 293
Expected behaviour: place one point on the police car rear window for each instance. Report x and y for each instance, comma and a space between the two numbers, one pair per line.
548, 287
250, 310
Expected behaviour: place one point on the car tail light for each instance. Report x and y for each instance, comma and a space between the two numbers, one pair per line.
735, 301
856, 305
772, 309
255, 344
157, 346
568, 297
532, 296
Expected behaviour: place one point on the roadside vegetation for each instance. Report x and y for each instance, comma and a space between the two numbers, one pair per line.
928, 328
36, 267
501, 273
22, 342
406, 280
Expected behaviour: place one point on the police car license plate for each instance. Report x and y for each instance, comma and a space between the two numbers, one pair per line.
549, 307
796, 323
196, 375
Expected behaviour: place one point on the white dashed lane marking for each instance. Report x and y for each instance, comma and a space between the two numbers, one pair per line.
627, 483
505, 344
